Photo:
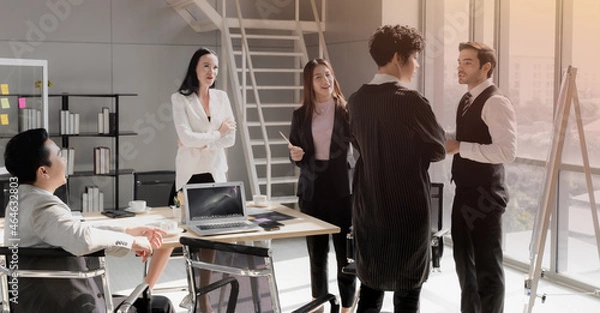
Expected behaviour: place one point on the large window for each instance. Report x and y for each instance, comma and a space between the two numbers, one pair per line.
447, 26
578, 255
530, 70
529, 33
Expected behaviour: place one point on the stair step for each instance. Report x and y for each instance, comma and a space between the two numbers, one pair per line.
271, 53
263, 161
266, 37
285, 199
277, 123
181, 4
272, 87
273, 105
260, 142
278, 180
272, 70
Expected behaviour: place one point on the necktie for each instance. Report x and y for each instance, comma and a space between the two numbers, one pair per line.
465, 103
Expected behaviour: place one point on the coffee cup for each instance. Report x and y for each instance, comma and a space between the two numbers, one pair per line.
176, 212
168, 226
260, 200
137, 205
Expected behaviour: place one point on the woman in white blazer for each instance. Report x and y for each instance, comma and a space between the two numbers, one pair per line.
205, 127
204, 123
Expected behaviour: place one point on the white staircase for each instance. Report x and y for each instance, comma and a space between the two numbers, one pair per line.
264, 59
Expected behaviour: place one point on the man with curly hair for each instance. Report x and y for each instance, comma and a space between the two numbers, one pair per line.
397, 135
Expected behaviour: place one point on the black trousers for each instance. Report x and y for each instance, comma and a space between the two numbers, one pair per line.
326, 205
195, 179
477, 236
371, 300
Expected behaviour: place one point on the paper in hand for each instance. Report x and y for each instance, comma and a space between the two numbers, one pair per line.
285, 138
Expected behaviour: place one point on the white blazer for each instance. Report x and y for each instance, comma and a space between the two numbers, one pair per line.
203, 147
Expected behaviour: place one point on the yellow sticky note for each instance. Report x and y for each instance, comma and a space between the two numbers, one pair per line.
4, 88
5, 103
4, 119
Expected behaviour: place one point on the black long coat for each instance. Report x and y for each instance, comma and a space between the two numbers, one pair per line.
397, 136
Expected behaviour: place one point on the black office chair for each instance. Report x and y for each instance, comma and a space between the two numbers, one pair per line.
252, 267
437, 225
45, 266
153, 186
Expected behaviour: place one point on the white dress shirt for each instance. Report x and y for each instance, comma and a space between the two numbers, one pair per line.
202, 149
499, 116
381, 78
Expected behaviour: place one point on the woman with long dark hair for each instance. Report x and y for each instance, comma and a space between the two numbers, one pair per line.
205, 127
204, 123
320, 146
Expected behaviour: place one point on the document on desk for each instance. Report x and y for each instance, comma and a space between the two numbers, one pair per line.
263, 215
128, 221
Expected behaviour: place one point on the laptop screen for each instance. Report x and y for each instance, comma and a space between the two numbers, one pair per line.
215, 200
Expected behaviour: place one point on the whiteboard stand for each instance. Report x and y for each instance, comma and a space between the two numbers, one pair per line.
567, 94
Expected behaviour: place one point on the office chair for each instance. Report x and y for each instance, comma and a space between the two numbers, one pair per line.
437, 225
251, 266
153, 186
42, 270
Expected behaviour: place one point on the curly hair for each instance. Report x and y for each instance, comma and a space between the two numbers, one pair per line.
388, 39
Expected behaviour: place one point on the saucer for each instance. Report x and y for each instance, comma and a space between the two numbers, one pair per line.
265, 205
148, 209
174, 232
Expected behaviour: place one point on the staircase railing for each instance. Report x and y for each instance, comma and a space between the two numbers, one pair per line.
239, 75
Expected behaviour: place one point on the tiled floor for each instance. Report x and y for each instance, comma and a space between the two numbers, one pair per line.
440, 293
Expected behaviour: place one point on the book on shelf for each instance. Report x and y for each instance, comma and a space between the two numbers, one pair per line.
76, 124
29, 119
100, 123
92, 200
105, 123
69, 155
101, 160
69, 123
105, 120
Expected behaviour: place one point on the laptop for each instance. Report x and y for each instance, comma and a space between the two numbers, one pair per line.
217, 208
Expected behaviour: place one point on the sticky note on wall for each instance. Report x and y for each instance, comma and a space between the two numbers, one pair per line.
22, 103
5, 103
4, 119
4, 89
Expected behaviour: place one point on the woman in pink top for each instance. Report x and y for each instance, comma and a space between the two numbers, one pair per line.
320, 146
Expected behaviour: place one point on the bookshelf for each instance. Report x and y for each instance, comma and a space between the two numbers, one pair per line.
113, 102
114, 135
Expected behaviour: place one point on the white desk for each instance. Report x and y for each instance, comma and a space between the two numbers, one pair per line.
301, 225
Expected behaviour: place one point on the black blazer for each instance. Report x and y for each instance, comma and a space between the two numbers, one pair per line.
301, 136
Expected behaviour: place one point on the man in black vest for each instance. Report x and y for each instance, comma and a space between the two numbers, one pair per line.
485, 138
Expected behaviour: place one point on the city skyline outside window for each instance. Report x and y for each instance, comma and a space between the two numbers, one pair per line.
528, 75
578, 251
531, 91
